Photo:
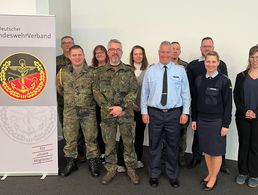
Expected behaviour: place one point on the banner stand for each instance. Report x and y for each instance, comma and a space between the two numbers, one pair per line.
28, 111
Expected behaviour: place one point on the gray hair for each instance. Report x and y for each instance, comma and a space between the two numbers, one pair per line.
114, 41
167, 43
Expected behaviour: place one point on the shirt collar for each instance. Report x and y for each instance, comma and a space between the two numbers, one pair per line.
84, 67
213, 75
201, 59
120, 66
169, 65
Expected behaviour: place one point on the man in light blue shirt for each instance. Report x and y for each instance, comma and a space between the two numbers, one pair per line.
165, 103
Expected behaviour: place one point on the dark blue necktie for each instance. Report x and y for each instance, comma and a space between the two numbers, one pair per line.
164, 88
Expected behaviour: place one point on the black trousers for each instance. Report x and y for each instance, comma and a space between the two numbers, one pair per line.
248, 146
120, 152
195, 146
139, 135
183, 145
164, 125
101, 143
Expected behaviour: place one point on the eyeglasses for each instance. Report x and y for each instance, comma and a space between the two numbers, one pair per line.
69, 42
115, 49
207, 46
99, 53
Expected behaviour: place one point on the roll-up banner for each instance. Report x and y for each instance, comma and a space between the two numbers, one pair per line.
28, 112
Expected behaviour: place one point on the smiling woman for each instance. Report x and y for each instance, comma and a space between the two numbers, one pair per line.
246, 101
211, 62
211, 116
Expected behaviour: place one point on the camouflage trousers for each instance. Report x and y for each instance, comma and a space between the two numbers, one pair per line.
88, 125
127, 131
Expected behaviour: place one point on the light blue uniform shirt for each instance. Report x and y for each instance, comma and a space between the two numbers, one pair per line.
178, 88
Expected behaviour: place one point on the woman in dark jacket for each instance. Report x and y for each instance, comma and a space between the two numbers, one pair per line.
246, 101
211, 116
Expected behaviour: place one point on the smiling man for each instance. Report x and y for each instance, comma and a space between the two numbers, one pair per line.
115, 90
62, 60
74, 84
165, 102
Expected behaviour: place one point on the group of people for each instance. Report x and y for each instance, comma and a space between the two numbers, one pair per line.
109, 95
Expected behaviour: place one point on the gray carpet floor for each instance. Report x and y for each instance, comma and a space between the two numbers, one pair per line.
81, 182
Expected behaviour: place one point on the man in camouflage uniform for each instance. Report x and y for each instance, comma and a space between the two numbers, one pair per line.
74, 84
115, 89
61, 61
176, 51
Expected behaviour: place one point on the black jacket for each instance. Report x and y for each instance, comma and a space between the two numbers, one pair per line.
239, 96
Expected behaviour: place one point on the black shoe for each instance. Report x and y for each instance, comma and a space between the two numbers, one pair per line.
174, 183
206, 188
154, 182
70, 167
94, 167
203, 182
224, 169
181, 161
195, 162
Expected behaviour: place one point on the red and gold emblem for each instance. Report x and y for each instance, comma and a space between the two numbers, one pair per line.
22, 76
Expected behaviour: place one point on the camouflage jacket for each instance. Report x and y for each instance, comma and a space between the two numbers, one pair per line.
115, 87
182, 63
76, 89
61, 62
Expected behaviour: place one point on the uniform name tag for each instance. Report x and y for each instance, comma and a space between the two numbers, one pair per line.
213, 89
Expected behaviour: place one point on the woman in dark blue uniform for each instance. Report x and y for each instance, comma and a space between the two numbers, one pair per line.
211, 116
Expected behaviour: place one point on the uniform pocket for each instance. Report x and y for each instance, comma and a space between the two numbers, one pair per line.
211, 96
176, 81
104, 84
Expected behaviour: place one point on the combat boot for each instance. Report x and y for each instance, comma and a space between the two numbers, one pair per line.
135, 179
70, 167
108, 177
94, 167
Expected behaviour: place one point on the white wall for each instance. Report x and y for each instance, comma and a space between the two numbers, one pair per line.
42, 7
231, 23
62, 10
24, 7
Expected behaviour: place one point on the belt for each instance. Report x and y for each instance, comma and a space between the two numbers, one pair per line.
166, 110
